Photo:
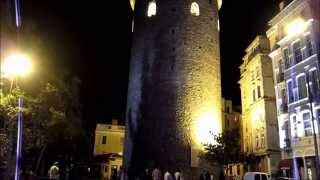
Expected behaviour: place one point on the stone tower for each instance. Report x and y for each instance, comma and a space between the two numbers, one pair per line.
174, 95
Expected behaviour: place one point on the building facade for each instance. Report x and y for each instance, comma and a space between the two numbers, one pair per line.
294, 40
108, 146
259, 123
231, 115
174, 93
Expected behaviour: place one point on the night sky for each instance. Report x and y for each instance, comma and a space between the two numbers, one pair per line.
92, 39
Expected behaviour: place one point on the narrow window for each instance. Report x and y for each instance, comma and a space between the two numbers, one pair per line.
290, 92
297, 52
257, 72
309, 46
1, 123
286, 58
152, 9
104, 140
262, 140
302, 87
259, 91
295, 126
254, 95
132, 25
195, 9
121, 141
307, 124
313, 79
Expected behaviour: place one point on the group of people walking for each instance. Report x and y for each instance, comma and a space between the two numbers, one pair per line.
156, 174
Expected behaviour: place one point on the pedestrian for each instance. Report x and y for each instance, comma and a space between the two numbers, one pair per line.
167, 176
146, 175
211, 177
67, 174
54, 171
207, 175
202, 175
120, 173
177, 175
156, 174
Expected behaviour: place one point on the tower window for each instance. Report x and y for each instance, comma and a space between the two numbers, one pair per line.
152, 9
195, 9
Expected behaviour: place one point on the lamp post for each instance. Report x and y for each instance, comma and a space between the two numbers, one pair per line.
17, 65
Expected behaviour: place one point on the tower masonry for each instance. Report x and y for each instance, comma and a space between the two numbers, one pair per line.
174, 95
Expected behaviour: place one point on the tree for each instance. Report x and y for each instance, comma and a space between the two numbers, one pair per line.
51, 117
227, 150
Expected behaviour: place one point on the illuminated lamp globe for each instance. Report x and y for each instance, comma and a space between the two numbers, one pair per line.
16, 65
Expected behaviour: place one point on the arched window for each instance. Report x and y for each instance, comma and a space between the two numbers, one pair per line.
195, 9
152, 8
132, 3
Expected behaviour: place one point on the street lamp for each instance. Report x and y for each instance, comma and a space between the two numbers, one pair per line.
14, 66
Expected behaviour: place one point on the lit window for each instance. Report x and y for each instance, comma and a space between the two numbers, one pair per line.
195, 9
132, 26
152, 9
132, 2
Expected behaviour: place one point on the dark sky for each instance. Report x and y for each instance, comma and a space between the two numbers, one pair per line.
92, 40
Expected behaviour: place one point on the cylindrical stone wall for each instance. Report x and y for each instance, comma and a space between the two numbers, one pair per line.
174, 95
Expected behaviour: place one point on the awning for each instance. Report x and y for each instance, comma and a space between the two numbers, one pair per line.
285, 164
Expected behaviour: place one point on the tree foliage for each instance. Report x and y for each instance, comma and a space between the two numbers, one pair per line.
51, 117
227, 150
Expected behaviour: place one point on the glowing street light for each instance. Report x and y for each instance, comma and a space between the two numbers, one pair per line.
295, 27
16, 65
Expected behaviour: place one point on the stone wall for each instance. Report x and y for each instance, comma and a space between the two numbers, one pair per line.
174, 77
